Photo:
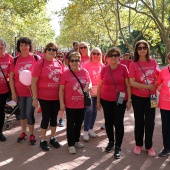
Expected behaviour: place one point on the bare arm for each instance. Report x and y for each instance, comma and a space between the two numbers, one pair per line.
128, 104
135, 84
34, 91
61, 97
11, 83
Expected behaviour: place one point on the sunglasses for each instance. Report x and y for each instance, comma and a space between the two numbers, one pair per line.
51, 49
83, 47
76, 60
114, 55
59, 56
168, 58
96, 54
144, 48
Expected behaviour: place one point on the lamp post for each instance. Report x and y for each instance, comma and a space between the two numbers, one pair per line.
15, 44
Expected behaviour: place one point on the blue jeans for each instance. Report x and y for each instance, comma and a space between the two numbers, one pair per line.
165, 117
26, 109
90, 115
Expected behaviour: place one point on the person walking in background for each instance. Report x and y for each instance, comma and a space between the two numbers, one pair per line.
94, 67
114, 95
85, 52
5, 62
75, 49
20, 92
143, 73
72, 99
60, 58
126, 61
164, 104
45, 86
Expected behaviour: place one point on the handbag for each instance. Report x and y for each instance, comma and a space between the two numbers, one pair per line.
87, 96
9, 93
153, 97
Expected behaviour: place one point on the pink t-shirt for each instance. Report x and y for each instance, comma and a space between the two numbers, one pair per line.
48, 73
94, 70
73, 95
151, 70
22, 63
126, 62
164, 96
5, 62
108, 90
84, 59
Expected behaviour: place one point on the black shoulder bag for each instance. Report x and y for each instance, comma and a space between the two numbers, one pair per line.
87, 96
9, 96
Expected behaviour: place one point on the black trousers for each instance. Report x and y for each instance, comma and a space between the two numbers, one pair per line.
3, 98
50, 110
144, 120
74, 123
114, 118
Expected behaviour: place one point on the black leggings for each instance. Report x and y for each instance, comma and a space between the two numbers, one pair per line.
3, 98
50, 110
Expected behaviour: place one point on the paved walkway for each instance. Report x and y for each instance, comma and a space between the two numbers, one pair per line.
23, 156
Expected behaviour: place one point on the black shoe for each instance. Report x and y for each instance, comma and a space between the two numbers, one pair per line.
54, 143
117, 153
32, 140
44, 146
2, 137
109, 147
164, 152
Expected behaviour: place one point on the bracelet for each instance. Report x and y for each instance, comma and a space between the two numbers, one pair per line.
130, 100
34, 98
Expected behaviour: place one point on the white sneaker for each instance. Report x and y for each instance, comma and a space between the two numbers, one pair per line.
79, 145
91, 133
72, 150
85, 136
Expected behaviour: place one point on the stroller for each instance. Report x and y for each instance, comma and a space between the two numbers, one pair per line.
11, 110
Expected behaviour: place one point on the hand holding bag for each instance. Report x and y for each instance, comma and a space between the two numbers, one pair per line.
87, 96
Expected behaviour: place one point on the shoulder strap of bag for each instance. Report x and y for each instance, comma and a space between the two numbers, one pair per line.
16, 58
113, 79
5, 78
77, 80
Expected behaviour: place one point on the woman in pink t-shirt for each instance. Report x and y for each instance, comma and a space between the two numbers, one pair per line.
72, 99
143, 73
21, 93
5, 61
114, 95
164, 105
45, 86
94, 67
85, 53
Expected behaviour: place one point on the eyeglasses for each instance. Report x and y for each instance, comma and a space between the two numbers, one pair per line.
83, 47
59, 56
144, 48
96, 54
76, 60
51, 49
114, 55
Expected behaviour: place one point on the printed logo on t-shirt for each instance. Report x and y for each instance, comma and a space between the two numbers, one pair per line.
96, 74
53, 75
149, 77
26, 67
3, 67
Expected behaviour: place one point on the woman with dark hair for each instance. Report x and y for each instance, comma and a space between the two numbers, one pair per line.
164, 105
5, 61
72, 99
21, 93
143, 73
45, 87
114, 95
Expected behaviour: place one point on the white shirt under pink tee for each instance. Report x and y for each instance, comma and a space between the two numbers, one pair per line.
22, 63
48, 73
73, 95
151, 70
164, 96
5, 63
108, 90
